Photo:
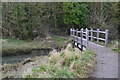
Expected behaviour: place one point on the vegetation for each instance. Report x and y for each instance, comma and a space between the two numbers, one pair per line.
116, 49
13, 46
66, 64
115, 46
76, 14
26, 21
33, 25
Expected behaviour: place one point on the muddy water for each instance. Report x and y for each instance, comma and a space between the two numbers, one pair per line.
18, 58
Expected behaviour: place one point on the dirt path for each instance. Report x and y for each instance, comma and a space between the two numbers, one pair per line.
107, 62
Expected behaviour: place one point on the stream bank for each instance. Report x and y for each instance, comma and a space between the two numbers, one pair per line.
18, 70
20, 55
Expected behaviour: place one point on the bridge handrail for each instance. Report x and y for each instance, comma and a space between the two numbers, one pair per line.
88, 34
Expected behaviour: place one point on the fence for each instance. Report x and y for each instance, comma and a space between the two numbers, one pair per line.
81, 37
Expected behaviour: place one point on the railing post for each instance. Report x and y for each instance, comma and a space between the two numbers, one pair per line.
87, 38
97, 35
74, 38
73, 33
70, 31
106, 37
77, 37
91, 34
81, 41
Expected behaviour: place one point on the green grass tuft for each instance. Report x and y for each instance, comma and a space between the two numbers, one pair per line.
64, 73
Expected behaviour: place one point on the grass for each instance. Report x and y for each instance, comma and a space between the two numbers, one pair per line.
69, 63
12, 44
113, 45
40, 69
60, 41
16, 41
25, 46
116, 49
15, 47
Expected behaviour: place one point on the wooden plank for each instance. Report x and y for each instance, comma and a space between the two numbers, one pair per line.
78, 31
101, 39
84, 42
90, 36
94, 31
84, 32
94, 37
102, 32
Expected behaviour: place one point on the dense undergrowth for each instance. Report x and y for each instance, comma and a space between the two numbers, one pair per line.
69, 63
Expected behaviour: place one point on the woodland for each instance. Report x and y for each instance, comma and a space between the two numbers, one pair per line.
25, 21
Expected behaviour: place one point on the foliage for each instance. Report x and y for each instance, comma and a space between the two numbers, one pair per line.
116, 48
29, 20
87, 55
69, 64
104, 15
64, 73
76, 14
41, 68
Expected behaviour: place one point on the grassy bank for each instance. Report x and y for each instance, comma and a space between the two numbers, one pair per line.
69, 63
13, 46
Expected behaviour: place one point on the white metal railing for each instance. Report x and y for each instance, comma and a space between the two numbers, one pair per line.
82, 36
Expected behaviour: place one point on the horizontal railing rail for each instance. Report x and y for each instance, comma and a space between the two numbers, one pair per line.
82, 36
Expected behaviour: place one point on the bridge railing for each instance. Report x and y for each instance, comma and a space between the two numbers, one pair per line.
81, 37
98, 38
